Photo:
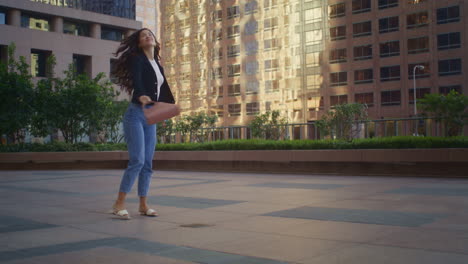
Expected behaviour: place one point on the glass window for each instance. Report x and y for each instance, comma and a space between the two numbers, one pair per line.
252, 108
389, 98
233, 70
217, 34
233, 31
362, 29
111, 34
271, 65
450, 67
338, 56
362, 52
220, 91
250, 7
338, 78
234, 89
270, 44
217, 15
449, 41
111, 70
38, 62
364, 98
363, 76
82, 64
251, 27
271, 86
217, 53
337, 33
234, 109
313, 15
448, 15
389, 49
420, 93
387, 3
233, 50
337, 10
217, 73
220, 111
251, 88
447, 89
270, 23
75, 28
388, 24
35, 22
424, 73
313, 37
420, 19
251, 67
3, 17
418, 45
233, 11
338, 100
390, 73
415, 2
361, 6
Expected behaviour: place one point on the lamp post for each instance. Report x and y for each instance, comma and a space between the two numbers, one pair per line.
420, 67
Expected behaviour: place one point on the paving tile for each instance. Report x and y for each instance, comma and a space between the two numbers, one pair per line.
298, 185
432, 191
186, 202
14, 224
359, 216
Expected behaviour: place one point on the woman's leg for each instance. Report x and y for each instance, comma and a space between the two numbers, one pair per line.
134, 137
146, 172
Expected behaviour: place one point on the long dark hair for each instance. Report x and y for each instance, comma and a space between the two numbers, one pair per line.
128, 49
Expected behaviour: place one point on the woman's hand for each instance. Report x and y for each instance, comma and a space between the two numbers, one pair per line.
144, 100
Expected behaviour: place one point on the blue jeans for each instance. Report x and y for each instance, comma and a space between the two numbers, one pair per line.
141, 142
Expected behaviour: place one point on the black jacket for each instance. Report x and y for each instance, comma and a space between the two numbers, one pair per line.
145, 81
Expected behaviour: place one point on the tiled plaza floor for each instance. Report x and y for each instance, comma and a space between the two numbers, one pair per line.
237, 218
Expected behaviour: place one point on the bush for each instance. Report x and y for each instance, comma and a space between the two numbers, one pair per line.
404, 142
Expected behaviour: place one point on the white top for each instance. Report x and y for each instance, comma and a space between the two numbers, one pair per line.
159, 75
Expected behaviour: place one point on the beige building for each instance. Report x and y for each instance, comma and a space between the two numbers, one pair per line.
236, 58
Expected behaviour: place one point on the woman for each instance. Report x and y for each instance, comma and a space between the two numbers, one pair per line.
139, 73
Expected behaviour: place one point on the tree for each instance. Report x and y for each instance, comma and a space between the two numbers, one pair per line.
343, 122
111, 120
165, 130
196, 126
450, 110
16, 95
268, 125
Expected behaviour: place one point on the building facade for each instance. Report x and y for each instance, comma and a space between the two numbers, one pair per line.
237, 58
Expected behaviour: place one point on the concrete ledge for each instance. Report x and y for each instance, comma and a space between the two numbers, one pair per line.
414, 162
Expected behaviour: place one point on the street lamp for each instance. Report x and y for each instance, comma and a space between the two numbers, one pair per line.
420, 67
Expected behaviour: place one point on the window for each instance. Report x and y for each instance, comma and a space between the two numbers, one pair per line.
234, 109
270, 23
217, 73
233, 11
420, 93
313, 15
389, 98
251, 47
362, 29
38, 62
362, 52
233, 50
217, 34
267, 106
449, 41
388, 24
420, 19
111, 34
112, 76
363, 76
448, 15
338, 33
337, 10
250, 7
233, 31
75, 28
364, 98
419, 73
35, 22
251, 67
251, 88
415, 2
338, 56
313, 36
338, 78
217, 53
387, 3
233, 70
390, 73
251, 27
450, 67
220, 110
3, 17
418, 45
389, 49
82, 64
220, 91
3, 54
270, 44
234, 90
338, 100
217, 15
446, 89
271, 86
361, 6
271, 65
252, 108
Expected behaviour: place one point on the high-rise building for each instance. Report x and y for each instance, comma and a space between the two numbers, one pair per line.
236, 58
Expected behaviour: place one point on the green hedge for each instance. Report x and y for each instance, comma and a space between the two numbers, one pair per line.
259, 144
